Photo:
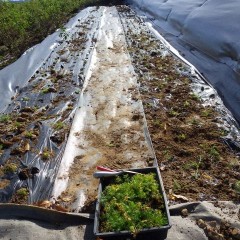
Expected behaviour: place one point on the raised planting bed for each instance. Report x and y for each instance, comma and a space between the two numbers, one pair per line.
132, 206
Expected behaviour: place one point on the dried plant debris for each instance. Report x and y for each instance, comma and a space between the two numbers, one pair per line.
222, 231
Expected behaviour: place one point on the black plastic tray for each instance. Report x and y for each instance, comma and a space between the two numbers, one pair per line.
158, 233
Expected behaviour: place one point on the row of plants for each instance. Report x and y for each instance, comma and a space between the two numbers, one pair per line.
24, 24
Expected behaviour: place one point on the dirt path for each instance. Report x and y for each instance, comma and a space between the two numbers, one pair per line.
110, 119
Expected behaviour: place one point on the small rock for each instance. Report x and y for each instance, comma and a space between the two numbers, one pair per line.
201, 223
184, 212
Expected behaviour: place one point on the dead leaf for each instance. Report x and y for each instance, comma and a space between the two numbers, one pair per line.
66, 199
45, 204
59, 208
178, 197
27, 147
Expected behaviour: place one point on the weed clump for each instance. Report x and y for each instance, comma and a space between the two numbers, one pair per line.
4, 118
22, 193
132, 203
10, 168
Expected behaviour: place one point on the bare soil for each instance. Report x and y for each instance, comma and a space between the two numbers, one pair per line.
188, 142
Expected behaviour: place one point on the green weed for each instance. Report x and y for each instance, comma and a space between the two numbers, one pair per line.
58, 125
4, 118
10, 168
22, 193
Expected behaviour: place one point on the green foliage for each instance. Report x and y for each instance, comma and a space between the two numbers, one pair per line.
214, 152
10, 168
27, 22
176, 185
22, 193
45, 90
58, 125
28, 134
195, 97
237, 186
46, 154
4, 118
181, 137
132, 203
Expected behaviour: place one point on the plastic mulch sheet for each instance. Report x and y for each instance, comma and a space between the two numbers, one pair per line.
206, 32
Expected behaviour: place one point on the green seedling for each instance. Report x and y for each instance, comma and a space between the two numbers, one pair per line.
4, 118
176, 185
22, 193
173, 113
195, 97
182, 137
45, 90
186, 104
206, 113
10, 168
46, 154
214, 153
59, 125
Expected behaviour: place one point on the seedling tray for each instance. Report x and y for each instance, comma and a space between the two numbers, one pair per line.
156, 233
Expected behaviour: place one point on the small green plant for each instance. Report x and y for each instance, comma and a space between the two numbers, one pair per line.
58, 125
4, 118
157, 123
132, 203
191, 165
237, 186
214, 153
181, 137
17, 124
22, 193
176, 185
46, 154
28, 134
10, 168
206, 113
45, 90
186, 104
196, 173
234, 163
173, 113
195, 97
